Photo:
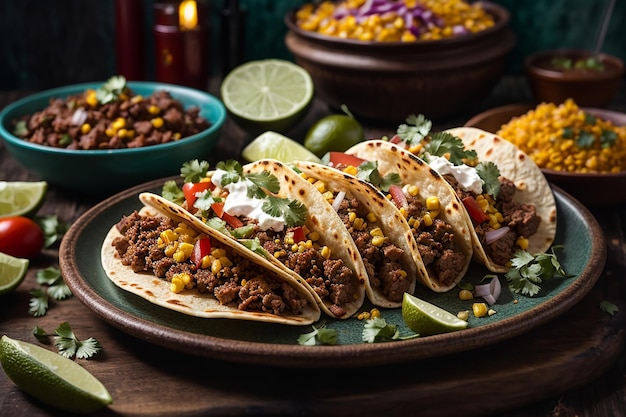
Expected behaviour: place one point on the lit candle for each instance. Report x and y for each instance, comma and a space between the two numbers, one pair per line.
181, 43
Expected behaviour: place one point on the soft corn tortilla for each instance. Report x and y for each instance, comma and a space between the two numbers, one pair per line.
392, 223
192, 302
322, 219
413, 170
532, 187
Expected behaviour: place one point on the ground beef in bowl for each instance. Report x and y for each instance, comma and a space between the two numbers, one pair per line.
112, 117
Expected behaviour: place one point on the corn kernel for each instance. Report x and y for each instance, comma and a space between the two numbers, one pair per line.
371, 217
465, 295
463, 315
325, 252
479, 309
157, 122
432, 203
378, 240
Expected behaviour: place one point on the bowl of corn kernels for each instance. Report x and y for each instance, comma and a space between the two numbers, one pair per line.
579, 149
387, 59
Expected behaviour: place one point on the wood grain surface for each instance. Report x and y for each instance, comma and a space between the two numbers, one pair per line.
572, 366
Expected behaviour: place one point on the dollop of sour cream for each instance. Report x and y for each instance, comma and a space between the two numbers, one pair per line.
237, 203
464, 174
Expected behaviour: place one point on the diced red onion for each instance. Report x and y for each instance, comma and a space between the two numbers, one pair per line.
489, 291
493, 235
338, 199
79, 116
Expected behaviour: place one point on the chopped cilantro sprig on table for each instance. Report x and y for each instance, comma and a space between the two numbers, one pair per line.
528, 271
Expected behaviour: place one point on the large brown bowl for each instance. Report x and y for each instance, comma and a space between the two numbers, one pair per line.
590, 88
593, 190
388, 81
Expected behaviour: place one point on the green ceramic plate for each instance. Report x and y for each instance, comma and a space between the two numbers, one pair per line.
583, 254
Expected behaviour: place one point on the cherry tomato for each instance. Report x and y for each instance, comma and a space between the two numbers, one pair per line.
20, 237
190, 189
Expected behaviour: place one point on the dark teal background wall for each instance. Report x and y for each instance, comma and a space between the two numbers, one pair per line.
48, 43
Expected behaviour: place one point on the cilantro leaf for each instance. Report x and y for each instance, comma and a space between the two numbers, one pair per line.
608, 138
38, 304
194, 170
585, 140
57, 288
53, 229
489, 173
69, 345
41, 335
233, 171
172, 192
293, 211
319, 336
608, 307
111, 90
446, 145
415, 129
528, 271
377, 330
368, 171
265, 180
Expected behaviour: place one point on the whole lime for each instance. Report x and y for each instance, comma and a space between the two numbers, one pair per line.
336, 132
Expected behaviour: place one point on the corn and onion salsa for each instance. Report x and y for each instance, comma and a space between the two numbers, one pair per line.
566, 138
394, 20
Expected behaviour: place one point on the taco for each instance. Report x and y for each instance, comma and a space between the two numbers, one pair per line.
424, 199
382, 235
509, 205
267, 207
170, 262
525, 200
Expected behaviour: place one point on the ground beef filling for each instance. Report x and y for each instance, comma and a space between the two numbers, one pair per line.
436, 244
521, 218
139, 250
383, 262
331, 279
58, 126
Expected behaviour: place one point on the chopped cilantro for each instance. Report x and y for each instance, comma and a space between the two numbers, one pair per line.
489, 173
528, 271
585, 139
111, 90
377, 330
608, 138
319, 336
233, 171
445, 144
69, 345
609, 307
368, 171
293, 211
194, 171
415, 129
20, 128
172, 192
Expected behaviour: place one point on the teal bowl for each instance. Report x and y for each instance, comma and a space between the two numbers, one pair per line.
102, 172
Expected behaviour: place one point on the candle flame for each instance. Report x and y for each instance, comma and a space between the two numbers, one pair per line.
188, 14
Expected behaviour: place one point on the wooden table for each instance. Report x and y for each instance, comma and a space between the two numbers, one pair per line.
572, 366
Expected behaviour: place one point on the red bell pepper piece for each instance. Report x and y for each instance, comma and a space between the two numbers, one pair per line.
340, 158
201, 249
476, 213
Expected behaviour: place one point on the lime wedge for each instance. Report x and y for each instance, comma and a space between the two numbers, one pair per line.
21, 198
270, 94
12, 272
52, 378
427, 319
274, 145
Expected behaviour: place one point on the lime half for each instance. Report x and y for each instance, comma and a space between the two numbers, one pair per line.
21, 198
427, 319
12, 272
276, 146
337, 132
52, 378
269, 94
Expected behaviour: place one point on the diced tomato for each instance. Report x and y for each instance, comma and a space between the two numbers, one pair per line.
190, 189
397, 195
337, 158
201, 249
298, 234
476, 213
218, 208
396, 139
